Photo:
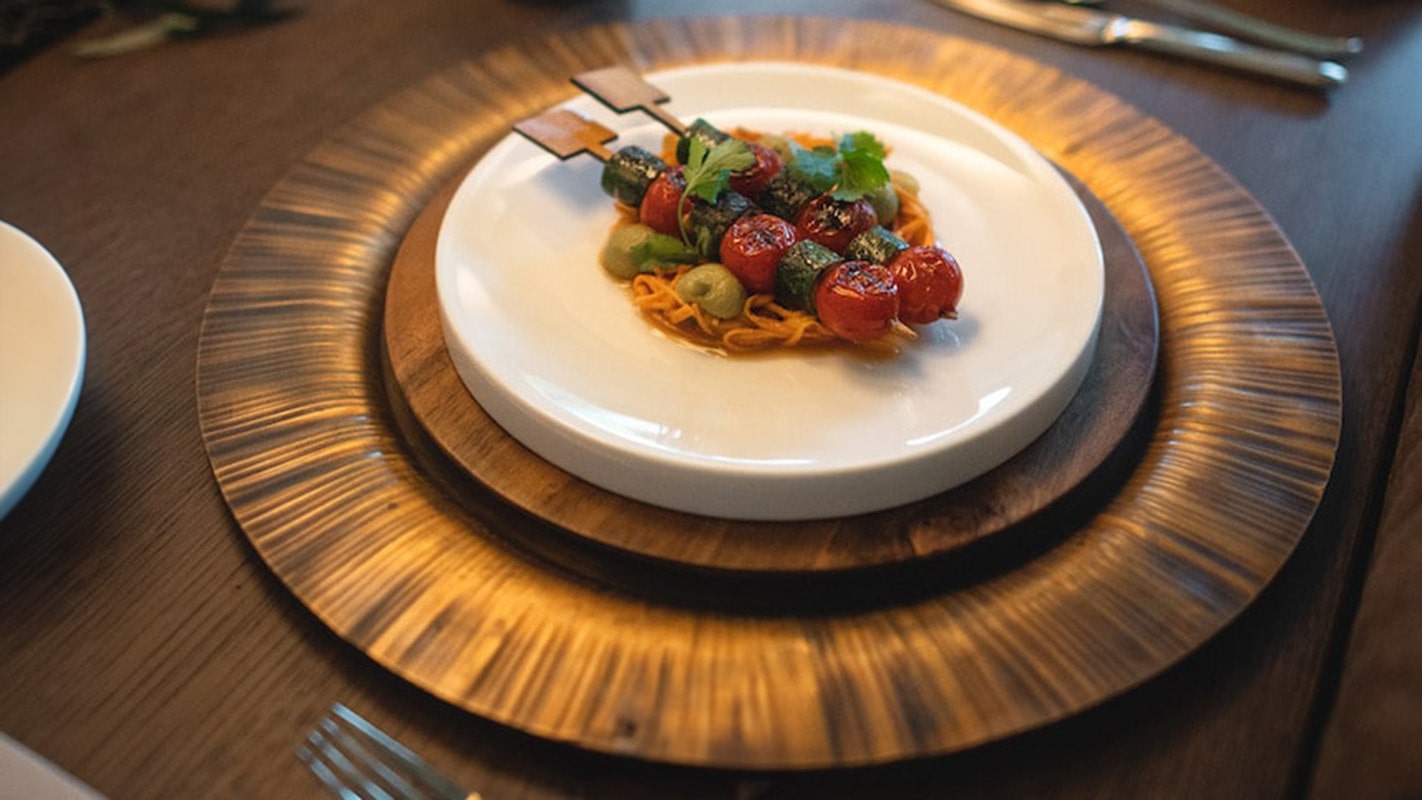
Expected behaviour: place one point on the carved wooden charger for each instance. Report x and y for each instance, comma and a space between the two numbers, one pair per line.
1091, 427
349, 507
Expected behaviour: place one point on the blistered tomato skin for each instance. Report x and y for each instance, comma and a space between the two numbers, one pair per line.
660, 205
752, 180
753, 247
857, 300
834, 223
930, 284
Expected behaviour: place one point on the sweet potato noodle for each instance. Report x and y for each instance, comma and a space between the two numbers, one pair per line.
764, 323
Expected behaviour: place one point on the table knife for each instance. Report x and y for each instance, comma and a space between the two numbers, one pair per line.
1086, 26
1227, 20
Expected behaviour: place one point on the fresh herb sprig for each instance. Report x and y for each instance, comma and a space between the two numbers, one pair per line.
708, 172
850, 171
660, 251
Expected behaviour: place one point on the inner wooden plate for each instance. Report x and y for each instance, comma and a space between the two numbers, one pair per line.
307, 448
1095, 422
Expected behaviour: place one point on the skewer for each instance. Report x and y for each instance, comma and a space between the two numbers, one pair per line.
565, 134
622, 89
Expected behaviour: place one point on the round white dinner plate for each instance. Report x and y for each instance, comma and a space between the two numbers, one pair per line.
551, 347
41, 360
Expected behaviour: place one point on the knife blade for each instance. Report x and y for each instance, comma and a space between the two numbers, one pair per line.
1089, 27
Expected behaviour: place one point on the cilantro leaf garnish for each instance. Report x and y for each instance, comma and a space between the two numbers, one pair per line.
852, 170
817, 168
709, 171
660, 251
862, 166
863, 143
704, 245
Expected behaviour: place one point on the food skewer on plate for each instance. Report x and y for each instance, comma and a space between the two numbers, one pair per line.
742, 241
566, 134
622, 89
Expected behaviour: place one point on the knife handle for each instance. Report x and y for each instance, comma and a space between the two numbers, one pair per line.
1227, 52
1227, 20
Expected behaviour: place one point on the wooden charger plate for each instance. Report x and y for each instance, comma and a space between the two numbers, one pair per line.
1094, 423
308, 450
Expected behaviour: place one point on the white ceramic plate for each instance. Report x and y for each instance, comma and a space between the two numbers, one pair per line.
41, 360
553, 350
28, 774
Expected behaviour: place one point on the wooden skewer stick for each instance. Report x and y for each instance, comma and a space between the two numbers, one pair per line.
622, 89
566, 134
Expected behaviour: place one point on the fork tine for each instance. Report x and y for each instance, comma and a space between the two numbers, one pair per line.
354, 780
417, 768
324, 774
357, 761
352, 749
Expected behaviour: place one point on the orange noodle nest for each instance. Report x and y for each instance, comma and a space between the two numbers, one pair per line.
763, 323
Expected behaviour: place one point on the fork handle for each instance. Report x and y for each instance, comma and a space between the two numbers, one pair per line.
1227, 52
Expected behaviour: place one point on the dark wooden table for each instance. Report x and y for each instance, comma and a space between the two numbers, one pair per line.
146, 648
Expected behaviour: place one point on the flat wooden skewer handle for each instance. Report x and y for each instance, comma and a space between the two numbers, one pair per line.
566, 134
622, 89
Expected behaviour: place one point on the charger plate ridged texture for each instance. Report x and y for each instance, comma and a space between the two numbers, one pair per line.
1095, 427
308, 451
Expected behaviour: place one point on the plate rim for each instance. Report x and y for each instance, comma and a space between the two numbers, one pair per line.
1093, 432
38, 265
696, 479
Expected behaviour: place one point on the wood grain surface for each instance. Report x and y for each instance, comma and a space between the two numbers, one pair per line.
305, 449
1089, 430
147, 648
1373, 728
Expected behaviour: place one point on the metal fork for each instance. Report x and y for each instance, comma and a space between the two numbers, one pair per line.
358, 761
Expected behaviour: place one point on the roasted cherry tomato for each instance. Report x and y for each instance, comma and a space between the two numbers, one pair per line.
660, 209
857, 300
833, 223
930, 283
753, 247
751, 180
